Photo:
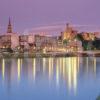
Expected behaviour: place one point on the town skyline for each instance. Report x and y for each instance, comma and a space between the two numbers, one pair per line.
68, 40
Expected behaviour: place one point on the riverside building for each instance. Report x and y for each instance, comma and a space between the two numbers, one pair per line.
9, 39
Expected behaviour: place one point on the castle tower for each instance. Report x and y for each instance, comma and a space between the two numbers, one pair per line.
9, 30
66, 33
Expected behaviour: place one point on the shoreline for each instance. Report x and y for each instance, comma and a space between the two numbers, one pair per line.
50, 54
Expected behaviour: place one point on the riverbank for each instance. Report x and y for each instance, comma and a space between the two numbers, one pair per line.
50, 54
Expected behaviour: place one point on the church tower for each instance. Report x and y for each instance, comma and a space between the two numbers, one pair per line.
9, 29
12, 37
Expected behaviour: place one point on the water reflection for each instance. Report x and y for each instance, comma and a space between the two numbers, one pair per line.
19, 68
3, 68
34, 68
55, 70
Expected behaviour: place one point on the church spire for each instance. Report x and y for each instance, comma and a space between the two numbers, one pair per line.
9, 30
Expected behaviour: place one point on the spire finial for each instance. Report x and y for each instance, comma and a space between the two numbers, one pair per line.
9, 30
67, 25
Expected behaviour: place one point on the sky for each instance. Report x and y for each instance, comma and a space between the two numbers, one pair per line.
27, 14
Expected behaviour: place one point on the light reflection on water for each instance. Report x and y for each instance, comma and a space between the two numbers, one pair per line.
69, 75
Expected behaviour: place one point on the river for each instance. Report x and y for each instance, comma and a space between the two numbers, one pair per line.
62, 78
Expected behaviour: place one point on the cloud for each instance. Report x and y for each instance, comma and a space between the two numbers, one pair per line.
59, 27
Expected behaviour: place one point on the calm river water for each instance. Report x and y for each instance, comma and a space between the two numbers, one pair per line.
65, 78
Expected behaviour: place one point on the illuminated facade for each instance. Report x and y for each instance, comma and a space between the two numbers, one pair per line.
69, 33
66, 41
97, 34
5, 41
10, 39
74, 45
45, 41
89, 36
23, 41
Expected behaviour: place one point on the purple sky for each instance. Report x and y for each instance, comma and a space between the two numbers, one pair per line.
32, 13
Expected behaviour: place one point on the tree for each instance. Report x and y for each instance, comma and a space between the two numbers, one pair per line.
96, 44
65, 42
80, 37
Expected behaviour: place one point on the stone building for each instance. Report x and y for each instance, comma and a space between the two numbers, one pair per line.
45, 41
9, 39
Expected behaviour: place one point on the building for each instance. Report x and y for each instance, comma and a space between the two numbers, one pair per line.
31, 39
23, 42
45, 41
75, 45
97, 34
10, 39
69, 33
60, 41
5, 41
26, 42
89, 36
